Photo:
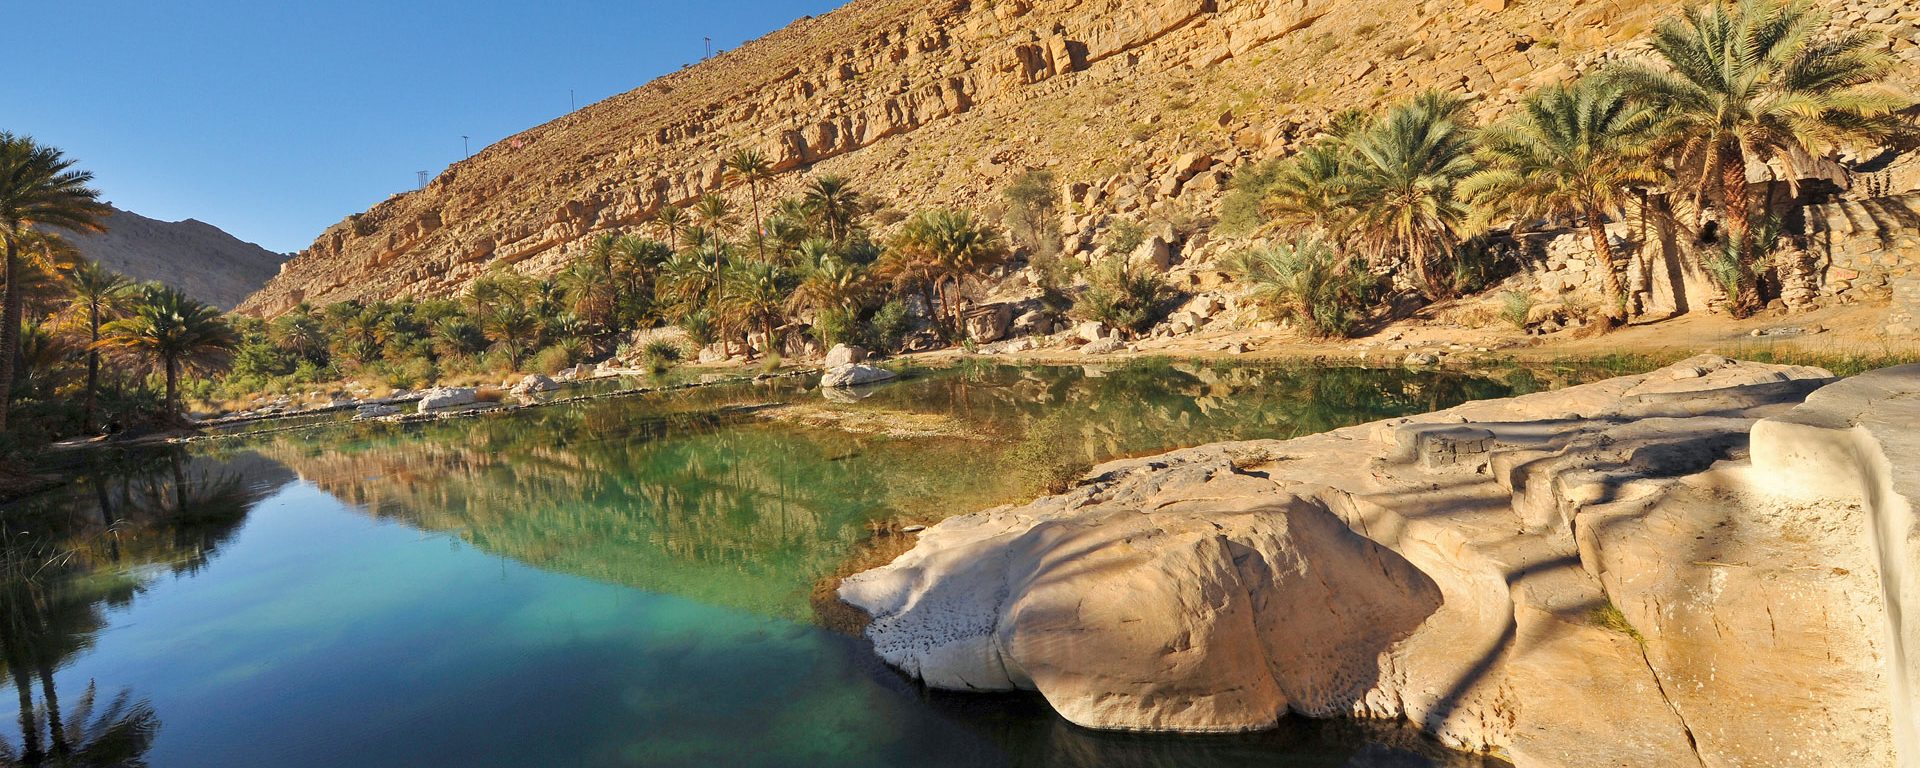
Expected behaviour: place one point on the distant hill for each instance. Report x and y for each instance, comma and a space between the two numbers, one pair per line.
193, 256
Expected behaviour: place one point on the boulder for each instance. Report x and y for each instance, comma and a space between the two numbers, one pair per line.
989, 323
1105, 346
445, 398
1034, 323
1421, 359
1710, 569
855, 375
1090, 331
535, 383
843, 355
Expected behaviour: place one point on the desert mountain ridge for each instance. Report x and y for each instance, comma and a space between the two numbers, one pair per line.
1144, 109
198, 258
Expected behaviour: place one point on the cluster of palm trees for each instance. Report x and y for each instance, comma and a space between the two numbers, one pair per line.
1755, 81
806, 263
62, 314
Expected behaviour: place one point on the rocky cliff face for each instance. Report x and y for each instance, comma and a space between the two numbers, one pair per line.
193, 256
1141, 107
1704, 565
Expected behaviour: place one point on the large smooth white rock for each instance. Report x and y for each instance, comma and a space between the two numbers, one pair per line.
444, 398
1598, 576
855, 375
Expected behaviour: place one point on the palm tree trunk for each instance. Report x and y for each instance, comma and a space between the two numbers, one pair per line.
93, 369
759, 225
1736, 208
173, 388
9, 328
1616, 303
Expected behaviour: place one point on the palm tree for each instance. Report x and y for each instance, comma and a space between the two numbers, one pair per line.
757, 292
831, 283
1572, 152
715, 215
937, 249
751, 167
175, 333
834, 205
38, 187
1405, 171
669, 221
1760, 80
98, 293
513, 330
1310, 193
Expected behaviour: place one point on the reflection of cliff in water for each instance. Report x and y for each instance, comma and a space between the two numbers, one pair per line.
66, 558
689, 493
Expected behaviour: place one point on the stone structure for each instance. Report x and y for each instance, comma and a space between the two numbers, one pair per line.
1702, 565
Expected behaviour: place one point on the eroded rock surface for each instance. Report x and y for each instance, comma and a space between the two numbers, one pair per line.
1624, 573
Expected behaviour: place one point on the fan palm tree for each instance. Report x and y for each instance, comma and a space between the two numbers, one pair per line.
1760, 80
751, 167
173, 332
831, 284
1405, 170
98, 294
38, 187
1573, 152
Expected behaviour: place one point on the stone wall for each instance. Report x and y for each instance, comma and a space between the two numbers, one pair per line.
1860, 247
1904, 320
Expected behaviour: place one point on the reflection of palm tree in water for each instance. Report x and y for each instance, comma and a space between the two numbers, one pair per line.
152, 508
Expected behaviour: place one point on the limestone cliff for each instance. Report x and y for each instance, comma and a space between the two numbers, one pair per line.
1138, 106
1703, 565
196, 257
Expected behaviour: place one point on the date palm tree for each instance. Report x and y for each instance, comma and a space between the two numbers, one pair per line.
937, 250
1406, 168
756, 293
1572, 152
1760, 80
715, 215
98, 294
834, 204
38, 187
173, 332
751, 167
669, 222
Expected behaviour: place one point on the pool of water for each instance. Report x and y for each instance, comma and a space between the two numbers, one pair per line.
628, 581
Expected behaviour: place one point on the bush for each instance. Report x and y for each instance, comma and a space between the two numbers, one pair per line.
1124, 296
699, 327
1050, 457
659, 355
889, 325
563, 354
1516, 307
836, 326
1309, 283
1241, 212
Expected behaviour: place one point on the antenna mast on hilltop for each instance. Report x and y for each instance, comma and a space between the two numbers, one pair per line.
423, 178
464, 148
709, 50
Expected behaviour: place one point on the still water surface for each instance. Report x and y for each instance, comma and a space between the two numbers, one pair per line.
620, 582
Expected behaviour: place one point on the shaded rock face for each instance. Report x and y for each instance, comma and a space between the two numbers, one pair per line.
197, 258
1143, 108
1612, 574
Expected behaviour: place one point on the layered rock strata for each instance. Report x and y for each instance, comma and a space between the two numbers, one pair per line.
1702, 565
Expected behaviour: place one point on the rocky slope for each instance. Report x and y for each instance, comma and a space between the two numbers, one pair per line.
1141, 107
193, 256
1703, 565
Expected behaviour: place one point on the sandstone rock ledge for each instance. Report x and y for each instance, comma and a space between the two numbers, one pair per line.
1700, 566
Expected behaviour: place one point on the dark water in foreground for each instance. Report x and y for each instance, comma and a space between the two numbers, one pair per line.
620, 582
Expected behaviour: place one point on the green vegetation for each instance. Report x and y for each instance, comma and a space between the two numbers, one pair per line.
1308, 282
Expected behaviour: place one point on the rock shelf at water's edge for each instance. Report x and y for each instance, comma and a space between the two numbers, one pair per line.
1702, 565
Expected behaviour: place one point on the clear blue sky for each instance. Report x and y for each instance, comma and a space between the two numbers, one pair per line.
273, 119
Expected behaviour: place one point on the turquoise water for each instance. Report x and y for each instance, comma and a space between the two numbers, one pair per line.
622, 582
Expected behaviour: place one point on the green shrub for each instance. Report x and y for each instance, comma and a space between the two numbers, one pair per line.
1124, 296
1516, 307
562, 355
1242, 212
1309, 283
1050, 456
888, 326
836, 326
660, 355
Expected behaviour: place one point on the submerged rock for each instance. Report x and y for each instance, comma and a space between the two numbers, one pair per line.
1597, 576
375, 411
855, 375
